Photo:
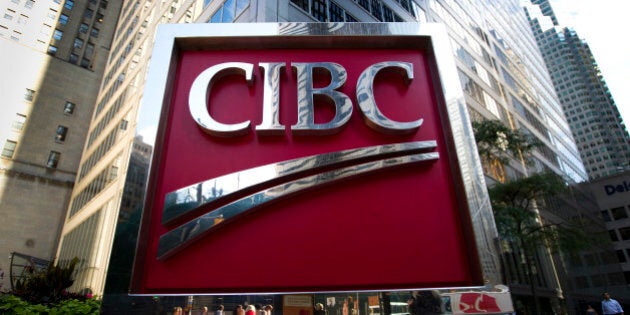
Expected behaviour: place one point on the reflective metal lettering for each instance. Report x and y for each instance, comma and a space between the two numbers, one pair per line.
365, 97
306, 99
200, 90
270, 124
307, 95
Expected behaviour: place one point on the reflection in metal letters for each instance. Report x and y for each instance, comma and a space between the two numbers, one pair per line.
187, 233
365, 96
307, 94
270, 124
199, 94
189, 198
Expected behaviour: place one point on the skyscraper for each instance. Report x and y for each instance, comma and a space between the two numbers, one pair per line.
53, 56
500, 69
597, 126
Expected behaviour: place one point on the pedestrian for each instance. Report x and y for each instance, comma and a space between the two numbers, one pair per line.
611, 306
250, 310
319, 309
219, 310
268, 309
239, 310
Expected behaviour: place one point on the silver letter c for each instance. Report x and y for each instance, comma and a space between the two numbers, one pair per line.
365, 97
200, 90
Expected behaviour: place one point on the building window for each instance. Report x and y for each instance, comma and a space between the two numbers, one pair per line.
621, 256
85, 63
18, 123
581, 282
29, 95
613, 235
62, 132
53, 159
68, 108
598, 280
63, 19
94, 32
78, 43
619, 213
8, 149
88, 14
302, 4
319, 9
69, 4
57, 34
624, 233
52, 50
83, 28
606, 216
22, 19
616, 278
29, 4
52, 14
89, 50
73, 58
229, 11
336, 13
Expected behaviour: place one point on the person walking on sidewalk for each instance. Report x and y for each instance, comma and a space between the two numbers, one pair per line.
611, 306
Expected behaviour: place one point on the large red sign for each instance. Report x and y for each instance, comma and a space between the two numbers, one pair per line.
398, 225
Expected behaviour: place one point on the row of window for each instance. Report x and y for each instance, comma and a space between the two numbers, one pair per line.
27, 4
229, 11
624, 234
602, 280
324, 11
101, 150
84, 28
8, 150
106, 176
329, 11
80, 241
617, 213
78, 42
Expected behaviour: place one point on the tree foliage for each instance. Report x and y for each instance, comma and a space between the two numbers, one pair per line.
497, 141
517, 203
47, 285
44, 292
13, 305
514, 204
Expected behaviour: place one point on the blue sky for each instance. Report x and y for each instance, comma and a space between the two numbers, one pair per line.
604, 25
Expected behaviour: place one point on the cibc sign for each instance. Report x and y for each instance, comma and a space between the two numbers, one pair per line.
307, 158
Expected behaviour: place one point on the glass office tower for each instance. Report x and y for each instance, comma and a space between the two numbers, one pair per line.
499, 65
597, 126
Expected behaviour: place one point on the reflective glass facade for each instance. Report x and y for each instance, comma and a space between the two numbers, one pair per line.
598, 129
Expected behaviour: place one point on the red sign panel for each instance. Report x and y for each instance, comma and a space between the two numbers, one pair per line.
394, 226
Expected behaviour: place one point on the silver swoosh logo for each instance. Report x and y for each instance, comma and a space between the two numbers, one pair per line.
283, 179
